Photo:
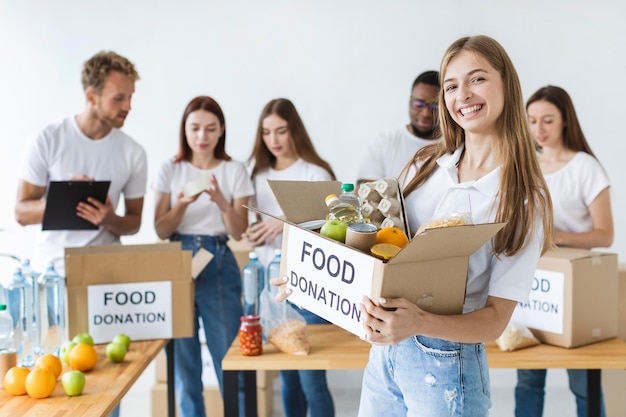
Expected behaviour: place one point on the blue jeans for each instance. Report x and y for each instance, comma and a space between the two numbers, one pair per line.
529, 392
426, 377
307, 389
218, 303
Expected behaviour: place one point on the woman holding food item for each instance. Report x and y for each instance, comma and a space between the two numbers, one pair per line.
200, 195
424, 364
284, 151
579, 188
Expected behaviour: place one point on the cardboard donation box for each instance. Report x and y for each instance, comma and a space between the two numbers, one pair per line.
145, 291
573, 301
329, 278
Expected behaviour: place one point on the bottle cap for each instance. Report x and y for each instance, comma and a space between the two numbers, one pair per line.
330, 198
347, 187
252, 255
3, 307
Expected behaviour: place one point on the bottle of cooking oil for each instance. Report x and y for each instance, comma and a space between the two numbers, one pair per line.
341, 211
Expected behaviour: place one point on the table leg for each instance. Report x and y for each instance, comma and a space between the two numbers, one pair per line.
249, 383
593, 392
171, 398
231, 393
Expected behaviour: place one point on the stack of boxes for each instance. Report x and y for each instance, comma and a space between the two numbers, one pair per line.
212, 398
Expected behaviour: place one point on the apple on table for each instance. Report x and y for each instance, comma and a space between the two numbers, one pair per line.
83, 338
73, 383
115, 352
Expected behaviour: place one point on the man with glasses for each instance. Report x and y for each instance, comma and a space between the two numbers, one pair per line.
389, 152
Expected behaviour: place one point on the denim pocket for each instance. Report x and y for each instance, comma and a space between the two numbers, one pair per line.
438, 347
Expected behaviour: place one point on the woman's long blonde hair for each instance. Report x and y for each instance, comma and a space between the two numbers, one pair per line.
523, 194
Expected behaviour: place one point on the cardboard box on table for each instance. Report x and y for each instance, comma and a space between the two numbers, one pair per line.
145, 291
329, 278
573, 301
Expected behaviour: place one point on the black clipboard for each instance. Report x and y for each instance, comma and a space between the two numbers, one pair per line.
64, 196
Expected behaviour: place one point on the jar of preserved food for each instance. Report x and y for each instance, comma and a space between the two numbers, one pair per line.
250, 336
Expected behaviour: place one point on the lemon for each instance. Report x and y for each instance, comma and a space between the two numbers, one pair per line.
384, 251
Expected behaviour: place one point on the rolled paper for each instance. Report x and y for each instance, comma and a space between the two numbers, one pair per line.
392, 222
387, 187
367, 192
389, 206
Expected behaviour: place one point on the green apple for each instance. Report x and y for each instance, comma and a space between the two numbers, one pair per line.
83, 338
123, 339
334, 229
115, 352
73, 383
64, 351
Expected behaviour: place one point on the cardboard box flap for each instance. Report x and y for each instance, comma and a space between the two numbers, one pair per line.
447, 242
570, 254
300, 200
128, 265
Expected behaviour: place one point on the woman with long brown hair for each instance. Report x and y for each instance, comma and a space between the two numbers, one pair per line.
283, 150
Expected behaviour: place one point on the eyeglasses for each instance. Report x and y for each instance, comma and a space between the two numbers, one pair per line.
421, 105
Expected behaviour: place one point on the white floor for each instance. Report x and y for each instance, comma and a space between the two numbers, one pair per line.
345, 386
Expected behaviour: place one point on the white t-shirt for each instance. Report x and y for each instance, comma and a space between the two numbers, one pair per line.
265, 200
62, 150
388, 153
203, 217
573, 188
507, 277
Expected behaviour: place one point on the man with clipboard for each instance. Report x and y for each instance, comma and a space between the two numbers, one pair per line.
87, 147
82, 149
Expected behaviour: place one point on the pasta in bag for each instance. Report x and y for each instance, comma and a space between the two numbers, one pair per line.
283, 326
515, 337
455, 210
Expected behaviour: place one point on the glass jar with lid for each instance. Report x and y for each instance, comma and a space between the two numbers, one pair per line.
250, 336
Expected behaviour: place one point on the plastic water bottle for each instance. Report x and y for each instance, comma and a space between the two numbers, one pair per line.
348, 196
338, 210
6, 329
20, 302
31, 279
252, 282
273, 271
51, 289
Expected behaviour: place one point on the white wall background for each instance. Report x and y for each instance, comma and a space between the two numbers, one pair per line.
347, 65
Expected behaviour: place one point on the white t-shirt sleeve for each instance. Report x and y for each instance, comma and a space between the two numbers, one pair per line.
593, 179
35, 161
136, 185
243, 186
371, 165
163, 180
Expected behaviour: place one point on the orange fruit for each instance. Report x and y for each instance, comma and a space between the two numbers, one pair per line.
40, 383
50, 362
392, 235
15, 380
82, 357
385, 251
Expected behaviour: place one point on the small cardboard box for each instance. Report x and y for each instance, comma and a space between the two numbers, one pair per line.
145, 291
573, 301
330, 278
212, 401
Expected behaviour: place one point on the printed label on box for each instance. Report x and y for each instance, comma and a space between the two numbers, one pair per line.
142, 310
546, 303
328, 279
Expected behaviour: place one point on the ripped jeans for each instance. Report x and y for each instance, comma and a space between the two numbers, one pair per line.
426, 377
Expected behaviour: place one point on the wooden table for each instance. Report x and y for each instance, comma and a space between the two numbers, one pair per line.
610, 354
331, 348
105, 386
335, 348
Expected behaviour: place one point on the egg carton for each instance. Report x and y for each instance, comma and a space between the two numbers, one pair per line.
382, 203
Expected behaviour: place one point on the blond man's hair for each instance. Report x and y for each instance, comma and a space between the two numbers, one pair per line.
96, 69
